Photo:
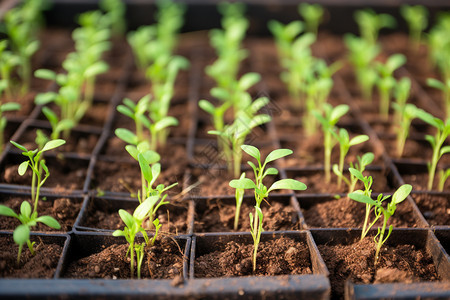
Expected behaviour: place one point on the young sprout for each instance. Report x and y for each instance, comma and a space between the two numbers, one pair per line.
21, 234
438, 41
28, 216
399, 196
344, 146
4, 107
37, 165
436, 142
115, 10
133, 226
8, 62
407, 114
362, 55
401, 94
261, 191
328, 120
417, 18
284, 37
386, 81
443, 176
360, 166
370, 24
233, 135
312, 14
239, 195
445, 88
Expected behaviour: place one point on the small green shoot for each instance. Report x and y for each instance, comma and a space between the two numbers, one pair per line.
4, 107
328, 120
262, 191
445, 88
399, 196
417, 18
344, 146
370, 23
443, 176
312, 14
239, 195
360, 166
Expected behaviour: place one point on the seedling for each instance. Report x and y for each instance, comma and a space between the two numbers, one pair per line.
445, 88
386, 81
443, 176
261, 191
328, 120
37, 165
28, 219
360, 166
284, 37
370, 24
233, 136
344, 146
417, 18
133, 226
312, 14
239, 195
407, 114
8, 63
436, 142
4, 107
115, 10
399, 196
438, 41
362, 55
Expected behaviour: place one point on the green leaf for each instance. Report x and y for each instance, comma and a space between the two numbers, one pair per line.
126, 217
145, 168
145, 207
25, 209
242, 183
359, 139
22, 168
291, 184
45, 98
165, 122
49, 221
271, 171
9, 106
444, 150
66, 124
434, 83
356, 173
125, 111
127, 136
362, 198
367, 158
8, 212
53, 144
45, 74
21, 234
276, 154
207, 106
96, 69
248, 80
252, 151
19, 146
401, 193
50, 115
338, 112
133, 151
118, 233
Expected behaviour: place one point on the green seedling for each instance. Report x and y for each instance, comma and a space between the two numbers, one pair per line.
436, 142
443, 176
445, 88
344, 146
284, 37
386, 81
28, 219
115, 11
37, 165
417, 18
312, 14
370, 23
407, 114
360, 166
22, 24
261, 191
399, 196
133, 226
4, 107
362, 55
328, 120
233, 136
8, 62
239, 195
438, 43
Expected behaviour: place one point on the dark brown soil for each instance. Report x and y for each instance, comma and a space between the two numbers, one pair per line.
162, 261
282, 256
64, 210
218, 216
65, 175
173, 218
41, 265
403, 263
126, 177
435, 208
316, 183
339, 213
